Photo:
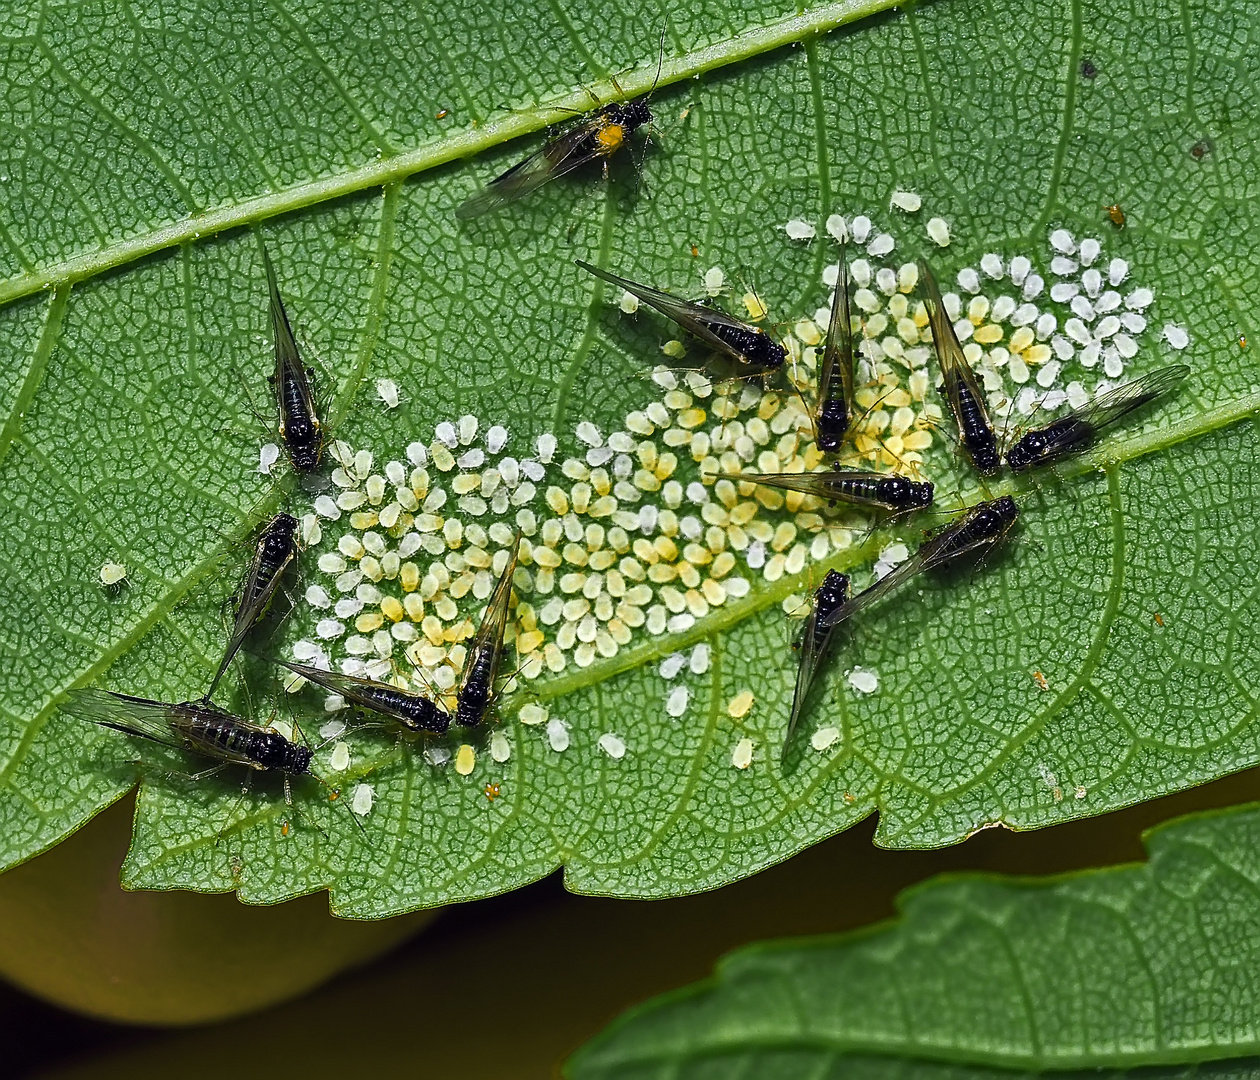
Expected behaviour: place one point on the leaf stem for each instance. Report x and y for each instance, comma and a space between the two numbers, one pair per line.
390, 170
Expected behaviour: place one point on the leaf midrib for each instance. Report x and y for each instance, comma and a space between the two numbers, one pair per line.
391, 170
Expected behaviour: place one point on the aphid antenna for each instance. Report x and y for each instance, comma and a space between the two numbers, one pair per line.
434, 691
267, 422
334, 796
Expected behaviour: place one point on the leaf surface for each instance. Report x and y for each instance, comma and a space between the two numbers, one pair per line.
129, 434
1121, 968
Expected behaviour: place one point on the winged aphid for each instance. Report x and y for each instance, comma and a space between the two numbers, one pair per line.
982, 527
753, 351
300, 428
595, 137
872, 490
485, 652
959, 385
276, 548
813, 642
414, 711
833, 412
202, 728
1077, 431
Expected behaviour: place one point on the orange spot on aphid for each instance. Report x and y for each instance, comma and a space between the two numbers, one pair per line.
610, 138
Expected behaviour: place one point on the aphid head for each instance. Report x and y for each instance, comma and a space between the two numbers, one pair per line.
1027, 451
423, 715
833, 592
274, 751
634, 114
833, 422
470, 707
904, 493
985, 458
1003, 513
764, 352
304, 452
297, 759
278, 539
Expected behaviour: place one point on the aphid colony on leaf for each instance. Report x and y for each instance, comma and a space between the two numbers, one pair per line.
631, 547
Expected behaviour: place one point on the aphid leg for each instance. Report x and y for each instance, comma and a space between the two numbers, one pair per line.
334, 795
234, 813
267, 420
176, 774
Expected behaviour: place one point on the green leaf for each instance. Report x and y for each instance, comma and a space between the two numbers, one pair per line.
1118, 968
129, 434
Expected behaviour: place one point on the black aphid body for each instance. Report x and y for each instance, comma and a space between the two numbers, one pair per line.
872, 490
224, 732
833, 422
978, 437
1062, 438
833, 592
834, 412
300, 428
276, 547
752, 349
485, 651
474, 695
959, 386
986, 523
411, 710
631, 115
978, 530
301, 432
904, 494
754, 345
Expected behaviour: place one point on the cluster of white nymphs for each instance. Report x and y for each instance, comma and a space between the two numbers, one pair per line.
642, 531
1034, 337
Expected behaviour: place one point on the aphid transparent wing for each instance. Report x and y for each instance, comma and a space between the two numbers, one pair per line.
955, 371
275, 547
837, 358
1107, 408
694, 318
489, 634
157, 721
288, 360
559, 156
963, 537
